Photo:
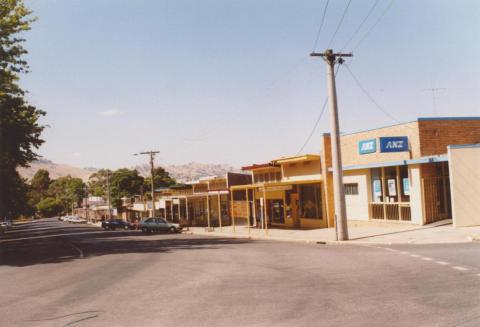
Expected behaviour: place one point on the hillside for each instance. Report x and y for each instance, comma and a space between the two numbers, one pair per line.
181, 173
55, 170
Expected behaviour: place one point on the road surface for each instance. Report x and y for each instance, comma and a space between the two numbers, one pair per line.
56, 274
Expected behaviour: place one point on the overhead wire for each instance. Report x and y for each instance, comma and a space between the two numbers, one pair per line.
374, 25
339, 23
309, 137
369, 13
321, 26
359, 84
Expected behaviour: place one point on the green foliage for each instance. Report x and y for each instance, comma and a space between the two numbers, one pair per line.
19, 128
39, 186
161, 179
124, 182
50, 207
97, 182
68, 191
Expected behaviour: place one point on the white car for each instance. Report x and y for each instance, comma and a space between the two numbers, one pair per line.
77, 220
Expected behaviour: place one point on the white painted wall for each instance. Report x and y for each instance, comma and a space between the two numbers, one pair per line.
416, 195
464, 165
357, 205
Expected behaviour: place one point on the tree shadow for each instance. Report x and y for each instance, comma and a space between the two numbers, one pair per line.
68, 243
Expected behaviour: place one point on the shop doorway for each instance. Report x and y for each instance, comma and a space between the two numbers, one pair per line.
275, 211
436, 193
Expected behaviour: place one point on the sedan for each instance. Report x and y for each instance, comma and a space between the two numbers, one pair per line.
159, 225
113, 224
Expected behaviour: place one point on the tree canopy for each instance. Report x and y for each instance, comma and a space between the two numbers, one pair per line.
20, 130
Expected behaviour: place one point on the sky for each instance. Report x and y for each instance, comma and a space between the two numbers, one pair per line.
217, 81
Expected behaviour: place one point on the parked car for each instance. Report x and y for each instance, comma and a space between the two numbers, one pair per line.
65, 218
159, 225
77, 220
6, 224
113, 224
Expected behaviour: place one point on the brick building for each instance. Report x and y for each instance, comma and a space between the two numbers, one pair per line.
399, 173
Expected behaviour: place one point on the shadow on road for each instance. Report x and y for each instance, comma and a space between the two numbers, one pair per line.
57, 243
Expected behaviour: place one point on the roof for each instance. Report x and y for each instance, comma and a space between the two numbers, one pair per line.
258, 166
413, 121
304, 157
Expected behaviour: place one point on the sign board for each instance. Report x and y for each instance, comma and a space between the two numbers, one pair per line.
406, 186
392, 187
278, 188
377, 188
176, 201
367, 146
161, 204
394, 144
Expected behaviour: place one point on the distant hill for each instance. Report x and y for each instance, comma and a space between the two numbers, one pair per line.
181, 173
191, 171
55, 170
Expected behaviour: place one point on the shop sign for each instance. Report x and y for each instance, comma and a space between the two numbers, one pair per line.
367, 146
406, 186
394, 144
161, 204
278, 188
176, 201
392, 188
377, 188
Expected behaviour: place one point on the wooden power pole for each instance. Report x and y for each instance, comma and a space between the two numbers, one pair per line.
152, 175
331, 59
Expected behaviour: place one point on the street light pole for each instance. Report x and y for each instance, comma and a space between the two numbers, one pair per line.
152, 175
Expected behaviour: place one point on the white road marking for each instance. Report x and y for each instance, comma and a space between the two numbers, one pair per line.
427, 259
80, 252
460, 268
404, 252
414, 255
442, 262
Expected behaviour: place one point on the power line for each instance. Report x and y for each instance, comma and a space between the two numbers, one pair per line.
373, 26
340, 23
370, 97
321, 25
361, 24
314, 127
316, 122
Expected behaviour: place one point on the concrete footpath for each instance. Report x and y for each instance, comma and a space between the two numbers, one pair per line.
360, 232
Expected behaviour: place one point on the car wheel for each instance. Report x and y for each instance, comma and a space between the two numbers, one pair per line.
126, 227
173, 229
144, 230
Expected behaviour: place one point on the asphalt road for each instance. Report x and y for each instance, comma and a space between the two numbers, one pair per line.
56, 274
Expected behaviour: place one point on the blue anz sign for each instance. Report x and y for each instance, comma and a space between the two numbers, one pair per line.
367, 146
394, 144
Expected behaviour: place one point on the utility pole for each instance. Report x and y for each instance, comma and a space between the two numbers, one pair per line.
331, 59
152, 173
108, 196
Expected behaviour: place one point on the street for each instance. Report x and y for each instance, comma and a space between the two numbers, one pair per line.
57, 274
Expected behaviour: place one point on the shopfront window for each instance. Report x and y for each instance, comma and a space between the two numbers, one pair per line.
390, 184
310, 203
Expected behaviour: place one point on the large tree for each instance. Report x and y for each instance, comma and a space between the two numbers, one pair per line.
69, 190
97, 182
161, 179
39, 186
19, 128
124, 183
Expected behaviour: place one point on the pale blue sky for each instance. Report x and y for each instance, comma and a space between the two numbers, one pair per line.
223, 81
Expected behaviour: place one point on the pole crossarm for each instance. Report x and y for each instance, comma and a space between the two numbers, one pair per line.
331, 56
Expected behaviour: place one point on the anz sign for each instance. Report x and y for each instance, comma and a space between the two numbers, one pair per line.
387, 144
367, 146
394, 144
